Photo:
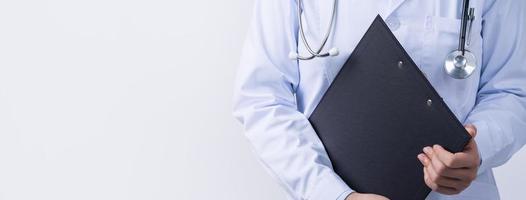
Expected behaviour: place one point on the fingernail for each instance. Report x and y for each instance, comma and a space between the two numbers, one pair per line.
427, 149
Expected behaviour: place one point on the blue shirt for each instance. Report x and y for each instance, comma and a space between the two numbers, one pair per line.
274, 95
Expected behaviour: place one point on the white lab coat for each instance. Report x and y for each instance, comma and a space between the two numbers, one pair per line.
274, 96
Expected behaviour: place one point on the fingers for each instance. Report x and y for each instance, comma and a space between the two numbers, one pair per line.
457, 160
378, 197
470, 146
466, 159
428, 179
441, 169
362, 196
446, 157
446, 172
472, 130
450, 173
445, 177
424, 159
454, 174
447, 191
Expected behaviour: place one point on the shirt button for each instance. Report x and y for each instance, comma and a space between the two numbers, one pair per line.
393, 23
429, 23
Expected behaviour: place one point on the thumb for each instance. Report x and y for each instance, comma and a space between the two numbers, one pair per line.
472, 130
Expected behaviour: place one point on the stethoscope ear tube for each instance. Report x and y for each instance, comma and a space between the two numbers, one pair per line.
332, 52
317, 53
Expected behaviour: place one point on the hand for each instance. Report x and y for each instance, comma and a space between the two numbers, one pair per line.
360, 196
449, 173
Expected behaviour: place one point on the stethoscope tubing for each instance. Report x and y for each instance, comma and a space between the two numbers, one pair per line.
461, 63
457, 64
462, 35
316, 53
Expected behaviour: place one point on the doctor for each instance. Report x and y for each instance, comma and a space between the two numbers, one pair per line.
275, 95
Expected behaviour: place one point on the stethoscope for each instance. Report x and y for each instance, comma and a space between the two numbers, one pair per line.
458, 64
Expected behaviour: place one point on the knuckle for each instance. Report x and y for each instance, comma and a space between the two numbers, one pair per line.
456, 191
433, 186
445, 191
430, 184
449, 162
433, 178
441, 169
465, 185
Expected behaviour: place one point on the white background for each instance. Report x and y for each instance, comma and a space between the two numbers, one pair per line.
131, 100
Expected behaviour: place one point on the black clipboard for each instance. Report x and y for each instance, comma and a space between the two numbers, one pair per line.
378, 114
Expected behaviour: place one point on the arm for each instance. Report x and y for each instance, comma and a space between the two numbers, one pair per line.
499, 116
500, 111
264, 103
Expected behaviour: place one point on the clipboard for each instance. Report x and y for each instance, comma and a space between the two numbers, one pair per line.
378, 114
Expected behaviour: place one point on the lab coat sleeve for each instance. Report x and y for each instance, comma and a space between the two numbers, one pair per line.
500, 111
264, 102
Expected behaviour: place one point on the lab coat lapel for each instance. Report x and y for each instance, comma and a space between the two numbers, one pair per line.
393, 5
385, 9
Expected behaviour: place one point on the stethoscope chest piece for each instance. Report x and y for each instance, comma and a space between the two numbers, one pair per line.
461, 63
460, 66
